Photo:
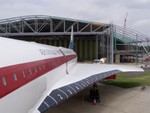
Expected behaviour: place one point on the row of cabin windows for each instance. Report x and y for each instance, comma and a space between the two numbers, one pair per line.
4, 80
23, 73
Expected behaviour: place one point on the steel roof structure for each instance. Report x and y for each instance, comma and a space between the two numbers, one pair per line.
51, 29
130, 35
39, 25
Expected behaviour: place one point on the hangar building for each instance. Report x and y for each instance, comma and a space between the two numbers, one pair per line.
92, 40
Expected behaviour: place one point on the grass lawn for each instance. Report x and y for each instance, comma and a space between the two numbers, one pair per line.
130, 81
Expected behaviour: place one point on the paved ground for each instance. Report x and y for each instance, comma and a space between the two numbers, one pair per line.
113, 100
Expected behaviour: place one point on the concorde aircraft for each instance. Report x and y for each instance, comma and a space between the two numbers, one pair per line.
36, 77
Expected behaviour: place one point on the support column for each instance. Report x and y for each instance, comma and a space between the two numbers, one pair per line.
60, 42
90, 49
110, 53
86, 49
55, 42
93, 48
111, 45
108, 48
117, 59
96, 47
50, 42
80, 49
44, 41
76, 46
65, 43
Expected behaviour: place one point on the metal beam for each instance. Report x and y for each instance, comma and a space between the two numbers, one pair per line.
2, 28
84, 27
70, 27
29, 26
49, 33
97, 28
15, 27
36, 25
57, 26
43, 25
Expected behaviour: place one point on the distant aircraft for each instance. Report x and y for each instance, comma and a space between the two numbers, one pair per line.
35, 77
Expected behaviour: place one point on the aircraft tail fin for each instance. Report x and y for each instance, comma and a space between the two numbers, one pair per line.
71, 44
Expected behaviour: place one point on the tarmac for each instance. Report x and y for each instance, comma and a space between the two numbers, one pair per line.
113, 100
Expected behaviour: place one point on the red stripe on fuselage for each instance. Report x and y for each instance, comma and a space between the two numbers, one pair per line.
13, 77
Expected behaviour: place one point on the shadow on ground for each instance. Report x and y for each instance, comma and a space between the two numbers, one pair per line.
122, 84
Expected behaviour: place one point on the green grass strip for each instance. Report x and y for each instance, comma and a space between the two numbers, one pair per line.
126, 81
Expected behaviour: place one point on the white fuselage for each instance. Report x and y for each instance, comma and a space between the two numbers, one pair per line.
28, 71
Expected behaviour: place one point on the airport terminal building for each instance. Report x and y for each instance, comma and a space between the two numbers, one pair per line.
92, 40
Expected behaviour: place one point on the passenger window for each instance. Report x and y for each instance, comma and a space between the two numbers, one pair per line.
23, 73
30, 71
40, 68
4, 81
15, 76
43, 67
35, 70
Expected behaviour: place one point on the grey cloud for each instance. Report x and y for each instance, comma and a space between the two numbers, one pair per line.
92, 10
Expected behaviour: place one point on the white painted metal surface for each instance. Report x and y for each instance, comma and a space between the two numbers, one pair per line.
27, 98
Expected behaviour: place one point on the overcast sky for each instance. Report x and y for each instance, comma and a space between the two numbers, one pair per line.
103, 11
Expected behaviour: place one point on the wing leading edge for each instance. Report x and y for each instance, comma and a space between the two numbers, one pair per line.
80, 78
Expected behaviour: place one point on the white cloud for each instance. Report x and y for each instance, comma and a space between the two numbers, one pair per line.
142, 23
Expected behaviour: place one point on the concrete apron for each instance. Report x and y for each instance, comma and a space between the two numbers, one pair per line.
113, 100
